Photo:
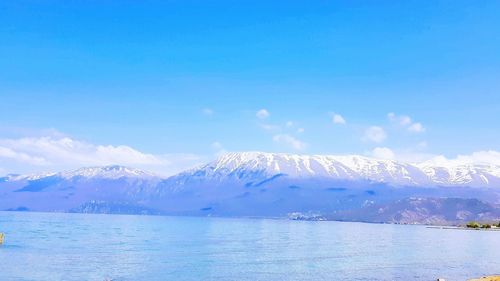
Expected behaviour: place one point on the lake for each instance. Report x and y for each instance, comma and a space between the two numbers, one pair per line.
53, 246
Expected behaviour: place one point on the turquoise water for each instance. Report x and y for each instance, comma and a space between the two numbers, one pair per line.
45, 246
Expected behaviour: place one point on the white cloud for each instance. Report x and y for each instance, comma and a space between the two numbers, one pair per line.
217, 145
407, 156
488, 157
208, 111
289, 141
64, 150
422, 144
62, 153
412, 156
416, 128
338, 119
262, 114
289, 124
21, 157
383, 153
218, 148
269, 127
402, 120
406, 122
300, 130
375, 134
483, 157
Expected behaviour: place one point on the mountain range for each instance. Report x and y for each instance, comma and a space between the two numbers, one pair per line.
270, 185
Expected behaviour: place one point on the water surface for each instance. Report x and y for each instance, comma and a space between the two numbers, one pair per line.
51, 246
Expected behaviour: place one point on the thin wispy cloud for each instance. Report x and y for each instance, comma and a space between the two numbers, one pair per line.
218, 148
270, 127
217, 145
408, 155
416, 155
416, 128
208, 111
375, 134
406, 121
262, 114
338, 119
289, 141
486, 157
422, 145
402, 120
22, 157
382, 153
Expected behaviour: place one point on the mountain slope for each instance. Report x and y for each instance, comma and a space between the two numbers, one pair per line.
252, 165
424, 211
251, 184
66, 190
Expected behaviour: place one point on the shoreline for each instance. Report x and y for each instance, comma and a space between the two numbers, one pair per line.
261, 217
487, 278
463, 228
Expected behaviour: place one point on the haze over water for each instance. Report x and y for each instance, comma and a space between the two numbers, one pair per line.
50, 246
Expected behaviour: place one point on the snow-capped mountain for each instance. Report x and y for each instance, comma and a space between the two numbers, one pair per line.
474, 175
251, 184
260, 165
108, 172
30, 177
66, 190
100, 172
251, 165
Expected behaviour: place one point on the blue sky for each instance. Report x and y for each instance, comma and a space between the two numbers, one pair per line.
182, 81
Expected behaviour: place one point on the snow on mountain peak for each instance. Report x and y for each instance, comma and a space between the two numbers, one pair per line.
350, 167
29, 177
99, 172
108, 172
261, 166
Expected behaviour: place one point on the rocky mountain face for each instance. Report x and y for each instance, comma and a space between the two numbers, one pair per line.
413, 210
259, 184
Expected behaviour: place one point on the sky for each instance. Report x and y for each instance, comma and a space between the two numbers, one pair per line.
165, 85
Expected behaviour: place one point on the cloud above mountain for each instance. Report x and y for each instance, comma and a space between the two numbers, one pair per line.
49, 150
289, 141
62, 152
262, 114
406, 122
382, 153
11, 154
416, 128
338, 119
488, 157
375, 134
